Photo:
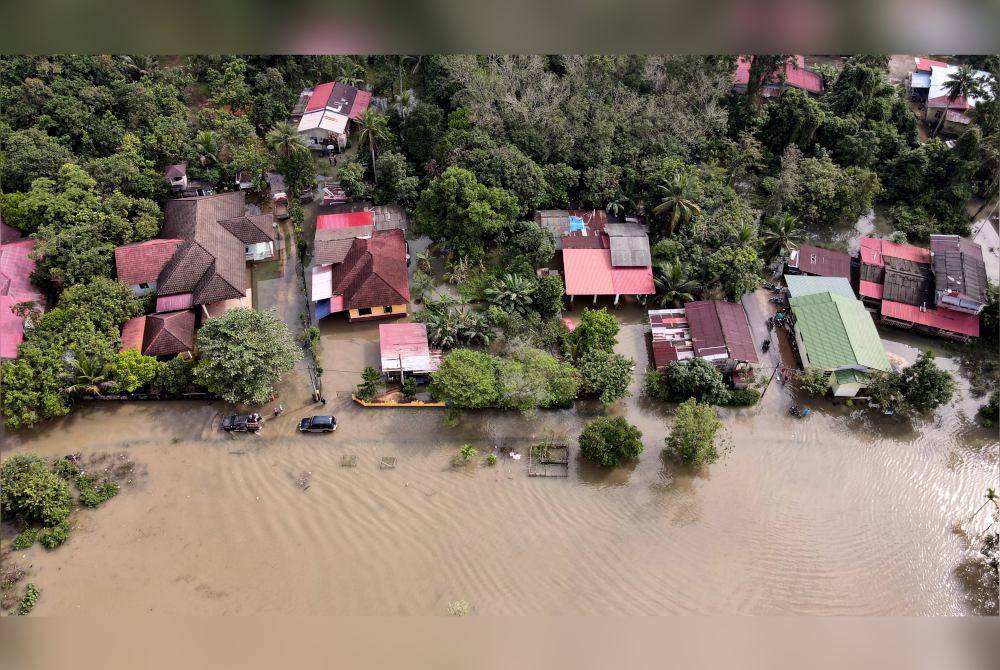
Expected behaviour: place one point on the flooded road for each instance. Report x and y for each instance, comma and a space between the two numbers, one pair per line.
835, 514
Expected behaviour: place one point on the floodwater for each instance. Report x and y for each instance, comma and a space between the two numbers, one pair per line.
839, 513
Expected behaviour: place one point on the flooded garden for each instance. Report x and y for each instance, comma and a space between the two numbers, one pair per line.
843, 512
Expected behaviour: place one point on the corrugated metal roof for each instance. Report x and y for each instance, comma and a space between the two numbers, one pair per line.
720, 328
799, 285
870, 289
630, 251
941, 318
959, 266
821, 261
404, 346
837, 332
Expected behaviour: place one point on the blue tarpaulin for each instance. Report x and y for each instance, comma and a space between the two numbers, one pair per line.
575, 223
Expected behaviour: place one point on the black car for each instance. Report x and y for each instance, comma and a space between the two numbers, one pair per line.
243, 423
318, 424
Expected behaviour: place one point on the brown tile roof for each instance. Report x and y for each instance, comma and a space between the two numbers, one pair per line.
251, 228
142, 262
211, 262
374, 273
168, 334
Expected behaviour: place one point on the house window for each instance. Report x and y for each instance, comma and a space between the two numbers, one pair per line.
387, 309
364, 311
143, 286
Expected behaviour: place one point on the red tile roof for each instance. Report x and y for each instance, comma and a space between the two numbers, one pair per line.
374, 272
795, 75
822, 262
15, 287
345, 220
941, 318
132, 333
142, 262
589, 272
172, 303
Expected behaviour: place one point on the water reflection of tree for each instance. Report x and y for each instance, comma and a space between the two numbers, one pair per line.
980, 571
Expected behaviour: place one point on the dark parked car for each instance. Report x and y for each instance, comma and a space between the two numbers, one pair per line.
318, 424
243, 423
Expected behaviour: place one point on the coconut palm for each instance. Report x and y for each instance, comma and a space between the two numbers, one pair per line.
87, 375
963, 83
472, 326
678, 202
352, 75
207, 145
373, 130
746, 235
618, 205
284, 141
780, 234
673, 286
511, 293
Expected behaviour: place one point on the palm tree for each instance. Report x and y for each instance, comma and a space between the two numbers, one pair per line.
673, 285
373, 129
207, 145
780, 234
284, 141
746, 234
511, 293
352, 75
678, 202
88, 375
472, 326
963, 83
617, 205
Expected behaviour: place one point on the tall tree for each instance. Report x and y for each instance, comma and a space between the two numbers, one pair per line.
283, 140
780, 234
963, 83
373, 130
678, 202
673, 286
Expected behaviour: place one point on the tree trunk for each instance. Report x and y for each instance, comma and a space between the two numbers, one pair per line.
940, 122
374, 171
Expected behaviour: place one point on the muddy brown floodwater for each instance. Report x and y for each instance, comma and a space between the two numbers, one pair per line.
838, 513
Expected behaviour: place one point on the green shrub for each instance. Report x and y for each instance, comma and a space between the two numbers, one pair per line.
95, 492
371, 382
491, 459
26, 538
743, 397
65, 468
54, 536
989, 413
31, 492
410, 387
29, 600
175, 376
696, 378
692, 437
814, 381
467, 452
609, 440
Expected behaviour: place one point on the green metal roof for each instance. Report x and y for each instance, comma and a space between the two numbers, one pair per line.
838, 332
850, 376
799, 285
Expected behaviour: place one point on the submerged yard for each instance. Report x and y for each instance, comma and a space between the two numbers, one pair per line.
839, 513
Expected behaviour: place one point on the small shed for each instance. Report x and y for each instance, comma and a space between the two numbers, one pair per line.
404, 350
819, 262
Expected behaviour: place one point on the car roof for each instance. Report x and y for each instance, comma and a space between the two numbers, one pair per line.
322, 419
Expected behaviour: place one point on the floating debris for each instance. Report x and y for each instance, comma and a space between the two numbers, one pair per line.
303, 480
387, 463
348, 461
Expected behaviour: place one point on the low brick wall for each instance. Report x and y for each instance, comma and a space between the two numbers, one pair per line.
412, 403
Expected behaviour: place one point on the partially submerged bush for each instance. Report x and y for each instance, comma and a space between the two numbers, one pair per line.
610, 440
54, 536
26, 538
692, 437
814, 381
678, 381
94, 492
31, 492
743, 397
29, 600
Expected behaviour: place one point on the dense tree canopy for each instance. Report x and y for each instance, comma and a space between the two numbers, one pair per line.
610, 440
